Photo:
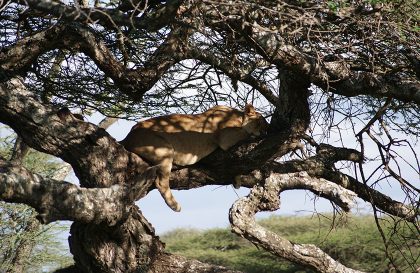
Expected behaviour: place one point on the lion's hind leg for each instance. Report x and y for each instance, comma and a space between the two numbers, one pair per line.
153, 147
162, 183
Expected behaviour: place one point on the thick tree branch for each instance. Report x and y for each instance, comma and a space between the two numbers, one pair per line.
336, 77
133, 83
107, 122
223, 168
266, 198
24, 52
97, 159
318, 168
59, 200
378, 199
304, 41
20, 149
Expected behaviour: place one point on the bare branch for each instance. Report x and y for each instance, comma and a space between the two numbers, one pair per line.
107, 122
266, 198
320, 166
302, 48
236, 72
225, 169
336, 77
382, 201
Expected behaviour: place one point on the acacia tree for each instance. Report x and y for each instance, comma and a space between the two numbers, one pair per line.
313, 67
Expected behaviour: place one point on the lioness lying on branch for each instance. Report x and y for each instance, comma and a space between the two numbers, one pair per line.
185, 139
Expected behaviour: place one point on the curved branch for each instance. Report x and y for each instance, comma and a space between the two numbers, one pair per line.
380, 200
317, 168
336, 77
233, 167
59, 200
133, 83
266, 198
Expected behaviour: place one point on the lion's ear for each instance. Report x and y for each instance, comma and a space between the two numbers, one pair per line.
249, 110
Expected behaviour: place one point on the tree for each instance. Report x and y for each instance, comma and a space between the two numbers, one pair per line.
313, 67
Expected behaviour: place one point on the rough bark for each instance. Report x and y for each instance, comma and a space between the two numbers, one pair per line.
19, 150
16, 59
130, 246
92, 244
97, 159
26, 244
322, 166
336, 76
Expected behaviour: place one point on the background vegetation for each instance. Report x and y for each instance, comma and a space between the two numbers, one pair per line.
354, 241
23, 240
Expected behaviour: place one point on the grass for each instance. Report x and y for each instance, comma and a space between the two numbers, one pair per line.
355, 241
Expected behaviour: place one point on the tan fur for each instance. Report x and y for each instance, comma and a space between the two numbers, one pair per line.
185, 139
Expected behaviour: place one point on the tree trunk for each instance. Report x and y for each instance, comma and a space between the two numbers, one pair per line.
292, 112
129, 246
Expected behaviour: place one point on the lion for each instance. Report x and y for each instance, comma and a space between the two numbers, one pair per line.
186, 139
